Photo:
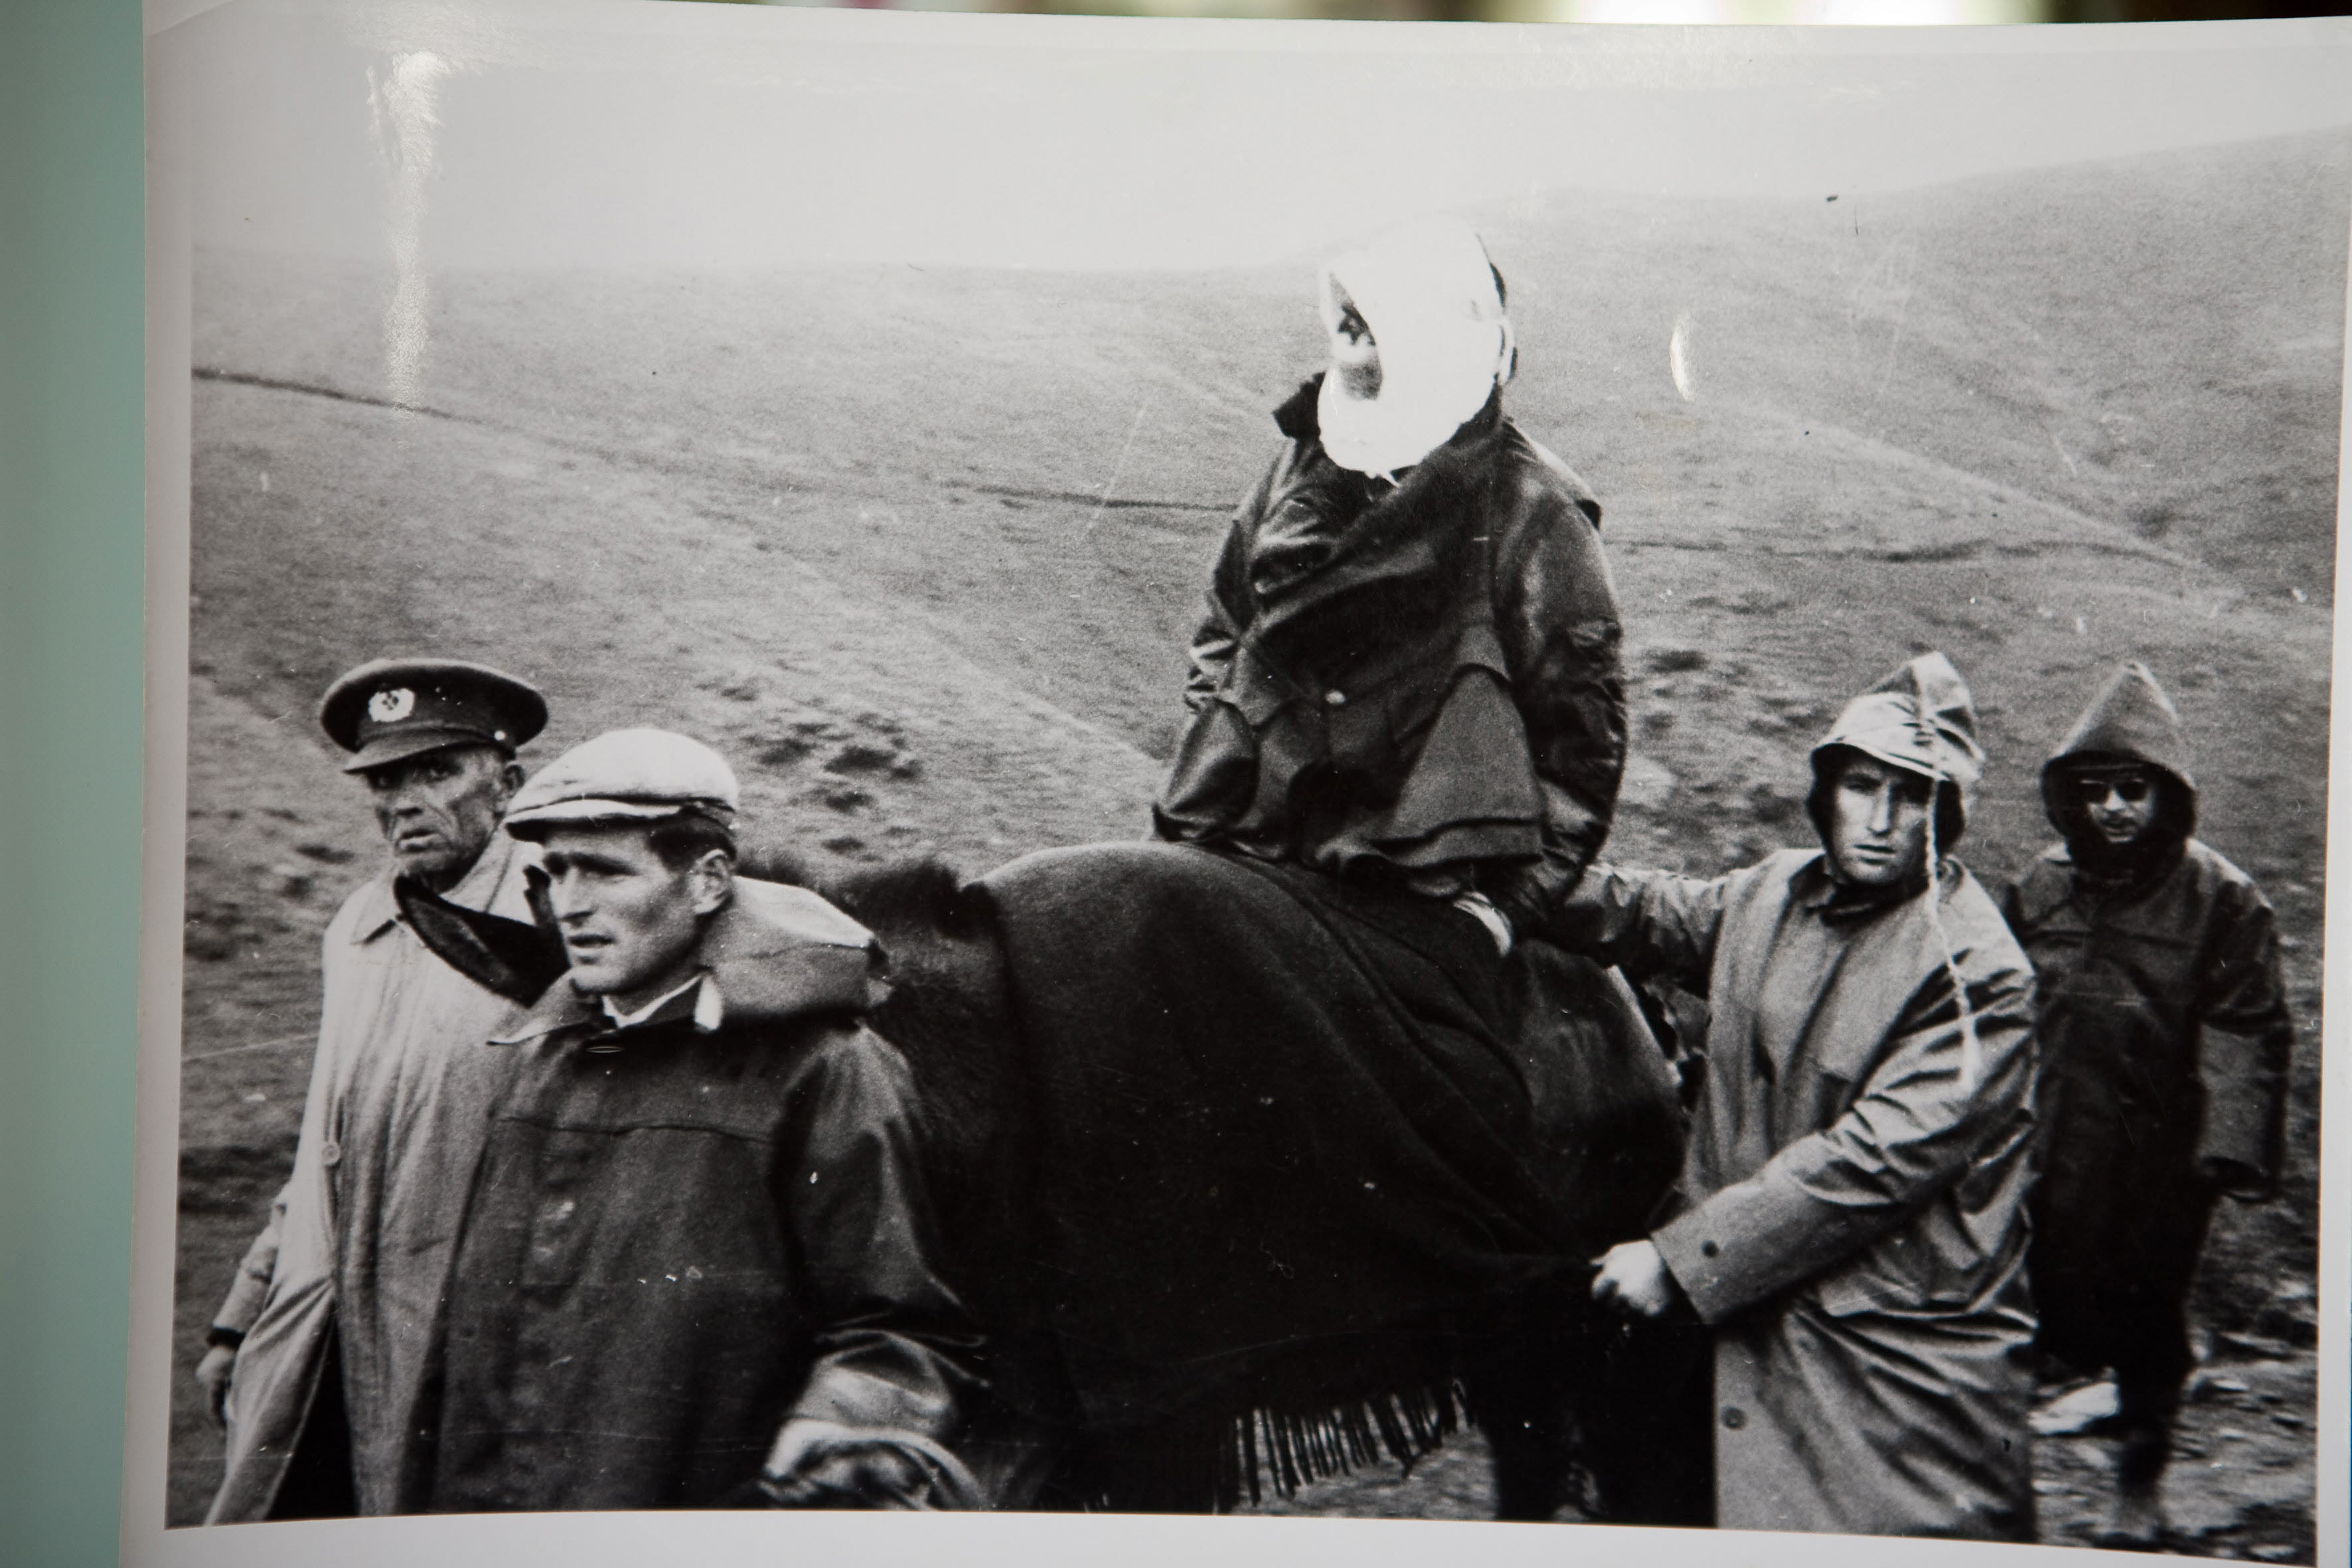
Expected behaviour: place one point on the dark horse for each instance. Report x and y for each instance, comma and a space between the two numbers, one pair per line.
1559, 1392
1227, 1216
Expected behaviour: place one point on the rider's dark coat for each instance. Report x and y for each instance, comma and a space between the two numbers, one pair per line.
1421, 678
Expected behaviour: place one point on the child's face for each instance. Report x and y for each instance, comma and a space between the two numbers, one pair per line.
2120, 802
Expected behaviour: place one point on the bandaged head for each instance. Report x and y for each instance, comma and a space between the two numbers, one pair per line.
1434, 304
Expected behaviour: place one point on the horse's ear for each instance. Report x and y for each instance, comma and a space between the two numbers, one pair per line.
964, 903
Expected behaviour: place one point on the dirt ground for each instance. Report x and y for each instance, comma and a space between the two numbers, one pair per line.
921, 551
2241, 1486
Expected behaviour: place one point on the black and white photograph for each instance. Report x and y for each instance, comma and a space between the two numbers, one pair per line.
1369, 770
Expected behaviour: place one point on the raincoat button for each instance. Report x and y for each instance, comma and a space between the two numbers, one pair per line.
1734, 1417
1336, 699
1709, 1249
331, 1152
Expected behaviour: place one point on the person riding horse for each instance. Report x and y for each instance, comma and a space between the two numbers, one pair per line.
1339, 1061
1407, 678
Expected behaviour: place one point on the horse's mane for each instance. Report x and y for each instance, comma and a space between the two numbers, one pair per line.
922, 893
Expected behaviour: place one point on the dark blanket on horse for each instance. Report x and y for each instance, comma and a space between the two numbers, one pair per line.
1291, 1135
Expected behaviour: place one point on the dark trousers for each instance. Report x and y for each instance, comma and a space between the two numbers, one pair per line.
1656, 1393
2134, 1319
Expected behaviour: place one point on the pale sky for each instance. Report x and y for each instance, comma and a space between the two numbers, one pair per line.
614, 133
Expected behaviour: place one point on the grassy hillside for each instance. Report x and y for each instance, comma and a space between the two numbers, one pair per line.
921, 549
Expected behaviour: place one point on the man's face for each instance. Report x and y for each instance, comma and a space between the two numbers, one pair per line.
1878, 822
438, 809
2119, 802
1355, 358
631, 922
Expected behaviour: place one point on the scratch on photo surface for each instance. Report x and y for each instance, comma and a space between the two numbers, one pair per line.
1884, 293
1679, 358
1119, 468
404, 106
2067, 456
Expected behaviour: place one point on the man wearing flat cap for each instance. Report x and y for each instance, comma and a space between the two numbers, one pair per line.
318, 1353
697, 1260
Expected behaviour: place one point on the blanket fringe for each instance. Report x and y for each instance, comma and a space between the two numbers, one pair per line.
1290, 1448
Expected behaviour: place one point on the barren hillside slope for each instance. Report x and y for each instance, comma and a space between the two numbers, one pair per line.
921, 549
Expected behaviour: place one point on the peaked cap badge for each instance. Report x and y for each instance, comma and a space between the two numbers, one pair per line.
392, 705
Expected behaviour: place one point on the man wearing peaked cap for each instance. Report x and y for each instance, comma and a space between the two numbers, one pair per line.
317, 1357
2165, 1045
436, 741
1852, 1212
788, 1338
391, 709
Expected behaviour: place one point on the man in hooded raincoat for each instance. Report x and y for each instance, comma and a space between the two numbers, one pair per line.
1852, 1222
2165, 1040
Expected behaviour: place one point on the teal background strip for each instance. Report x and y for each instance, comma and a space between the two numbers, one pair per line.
71, 529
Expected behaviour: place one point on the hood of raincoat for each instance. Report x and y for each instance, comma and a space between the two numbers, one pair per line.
2130, 721
1920, 718
1434, 304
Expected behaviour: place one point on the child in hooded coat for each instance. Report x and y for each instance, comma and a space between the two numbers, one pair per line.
2165, 1040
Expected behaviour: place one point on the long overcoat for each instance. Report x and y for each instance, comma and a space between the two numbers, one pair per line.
1852, 1219
359, 1241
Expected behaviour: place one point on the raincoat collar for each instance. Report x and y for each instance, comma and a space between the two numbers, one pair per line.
1815, 887
564, 1011
1297, 419
2140, 866
774, 954
694, 997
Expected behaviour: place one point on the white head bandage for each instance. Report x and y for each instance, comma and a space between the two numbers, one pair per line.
1427, 291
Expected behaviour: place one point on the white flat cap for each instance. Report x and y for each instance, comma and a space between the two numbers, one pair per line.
625, 775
